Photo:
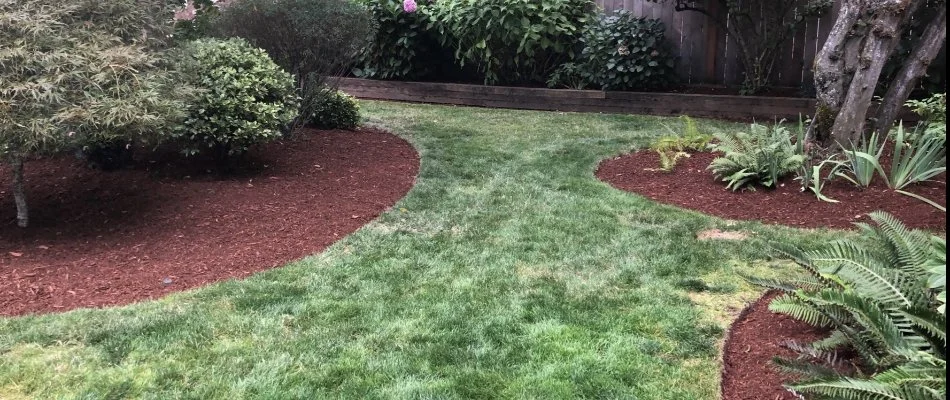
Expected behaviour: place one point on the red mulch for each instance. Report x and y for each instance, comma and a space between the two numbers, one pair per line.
107, 238
753, 340
691, 186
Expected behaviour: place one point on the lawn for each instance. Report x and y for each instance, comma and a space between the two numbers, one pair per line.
508, 271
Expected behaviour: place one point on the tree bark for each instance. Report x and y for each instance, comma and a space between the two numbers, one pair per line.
885, 30
19, 194
831, 73
920, 58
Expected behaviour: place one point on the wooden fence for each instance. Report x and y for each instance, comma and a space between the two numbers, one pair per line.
708, 56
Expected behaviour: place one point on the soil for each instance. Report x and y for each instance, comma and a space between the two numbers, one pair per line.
691, 186
752, 342
166, 223
723, 90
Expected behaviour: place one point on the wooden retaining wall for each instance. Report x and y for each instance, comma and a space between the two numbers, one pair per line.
672, 104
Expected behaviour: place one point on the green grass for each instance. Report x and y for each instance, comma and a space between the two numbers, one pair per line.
509, 271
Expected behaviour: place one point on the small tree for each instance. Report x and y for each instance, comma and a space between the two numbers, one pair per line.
759, 28
78, 72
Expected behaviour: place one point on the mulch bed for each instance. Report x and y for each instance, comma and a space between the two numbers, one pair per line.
166, 224
752, 342
758, 335
691, 186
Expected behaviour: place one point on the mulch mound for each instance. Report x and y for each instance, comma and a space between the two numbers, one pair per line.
753, 340
167, 224
691, 186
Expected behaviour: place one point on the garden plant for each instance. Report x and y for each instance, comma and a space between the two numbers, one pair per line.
80, 73
883, 298
508, 270
244, 99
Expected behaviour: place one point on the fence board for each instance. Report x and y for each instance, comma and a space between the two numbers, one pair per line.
707, 56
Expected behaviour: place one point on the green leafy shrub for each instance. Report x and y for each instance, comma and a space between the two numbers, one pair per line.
302, 36
881, 298
245, 98
673, 147
336, 110
761, 156
404, 46
511, 40
932, 109
623, 52
570, 76
194, 19
312, 39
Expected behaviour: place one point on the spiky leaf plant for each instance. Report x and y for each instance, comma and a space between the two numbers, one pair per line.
761, 156
879, 297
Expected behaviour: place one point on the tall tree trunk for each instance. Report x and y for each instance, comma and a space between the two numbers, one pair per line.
831, 74
927, 49
19, 194
885, 30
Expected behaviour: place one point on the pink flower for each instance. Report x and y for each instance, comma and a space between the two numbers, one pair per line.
186, 13
409, 6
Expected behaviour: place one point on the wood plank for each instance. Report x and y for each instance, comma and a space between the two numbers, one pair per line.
715, 106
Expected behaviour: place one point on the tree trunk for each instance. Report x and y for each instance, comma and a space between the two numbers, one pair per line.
923, 54
19, 194
885, 29
831, 72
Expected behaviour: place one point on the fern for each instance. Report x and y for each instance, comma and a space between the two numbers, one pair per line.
763, 155
805, 368
880, 294
673, 147
833, 341
859, 389
801, 310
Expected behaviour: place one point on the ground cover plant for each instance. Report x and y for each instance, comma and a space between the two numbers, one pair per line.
508, 271
671, 148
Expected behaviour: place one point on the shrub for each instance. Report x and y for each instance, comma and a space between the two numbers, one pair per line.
404, 46
882, 298
624, 52
311, 39
511, 40
336, 110
762, 156
932, 109
301, 36
194, 19
245, 97
76, 73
